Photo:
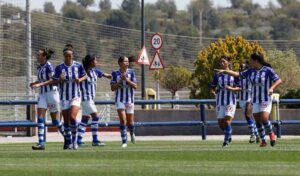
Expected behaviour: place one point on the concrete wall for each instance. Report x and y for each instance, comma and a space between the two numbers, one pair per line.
191, 115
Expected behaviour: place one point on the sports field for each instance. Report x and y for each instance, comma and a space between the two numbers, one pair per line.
153, 158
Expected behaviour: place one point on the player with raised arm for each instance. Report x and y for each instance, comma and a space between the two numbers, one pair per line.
88, 93
224, 88
264, 80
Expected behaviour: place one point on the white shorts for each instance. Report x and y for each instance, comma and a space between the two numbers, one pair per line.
49, 100
66, 104
226, 110
128, 107
262, 107
88, 107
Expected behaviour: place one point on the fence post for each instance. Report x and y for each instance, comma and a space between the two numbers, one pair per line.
29, 131
202, 117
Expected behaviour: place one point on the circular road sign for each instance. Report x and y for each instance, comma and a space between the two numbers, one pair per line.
156, 41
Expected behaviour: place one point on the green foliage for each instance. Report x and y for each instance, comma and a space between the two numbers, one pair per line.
292, 94
86, 3
174, 78
105, 4
236, 48
72, 10
285, 64
49, 7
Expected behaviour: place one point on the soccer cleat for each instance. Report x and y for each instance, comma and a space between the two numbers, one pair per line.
38, 147
74, 146
124, 145
257, 140
81, 144
132, 136
66, 144
272, 139
252, 139
263, 143
98, 143
225, 144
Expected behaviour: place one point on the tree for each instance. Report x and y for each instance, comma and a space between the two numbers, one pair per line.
49, 8
131, 6
236, 48
167, 6
86, 3
175, 78
105, 5
72, 10
285, 64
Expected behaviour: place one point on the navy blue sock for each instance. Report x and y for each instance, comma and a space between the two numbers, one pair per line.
123, 134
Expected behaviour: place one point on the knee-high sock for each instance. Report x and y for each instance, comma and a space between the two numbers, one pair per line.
74, 131
94, 127
67, 133
59, 125
227, 133
123, 133
131, 129
41, 130
252, 127
261, 131
268, 127
81, 129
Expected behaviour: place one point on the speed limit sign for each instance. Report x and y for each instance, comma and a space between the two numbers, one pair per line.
156, 41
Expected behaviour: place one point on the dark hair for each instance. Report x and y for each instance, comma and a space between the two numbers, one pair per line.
68, 47
86, 62
131, 59
121, 59
226, 58
48, 53
260, 58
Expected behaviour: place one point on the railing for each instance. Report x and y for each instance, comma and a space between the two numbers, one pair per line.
201, 122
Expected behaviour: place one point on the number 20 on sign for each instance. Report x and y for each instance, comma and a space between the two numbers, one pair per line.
156, 41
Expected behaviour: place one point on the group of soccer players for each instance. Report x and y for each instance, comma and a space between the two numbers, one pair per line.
72, 85
255, 84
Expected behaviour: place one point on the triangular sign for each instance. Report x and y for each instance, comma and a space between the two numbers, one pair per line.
143, 57
156, 62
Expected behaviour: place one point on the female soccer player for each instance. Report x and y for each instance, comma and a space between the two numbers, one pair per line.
224, 87
88, 92
246, 104
123, 83
69, 74
48, 96
264, 80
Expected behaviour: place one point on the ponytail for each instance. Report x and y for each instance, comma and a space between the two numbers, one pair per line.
48, 53
86, 62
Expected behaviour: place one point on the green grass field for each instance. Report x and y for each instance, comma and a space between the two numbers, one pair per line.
152, 159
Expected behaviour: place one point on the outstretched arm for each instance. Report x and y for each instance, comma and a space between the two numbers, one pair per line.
230, 72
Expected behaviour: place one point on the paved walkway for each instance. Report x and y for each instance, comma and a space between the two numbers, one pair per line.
115, 136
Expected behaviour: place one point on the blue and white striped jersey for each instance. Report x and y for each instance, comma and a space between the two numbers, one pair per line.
261, 81
45, 73
68, 88
125, 93
245, 93
224, 96
88, 87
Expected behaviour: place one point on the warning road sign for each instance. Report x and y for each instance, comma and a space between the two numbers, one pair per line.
143, 58
156, 62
